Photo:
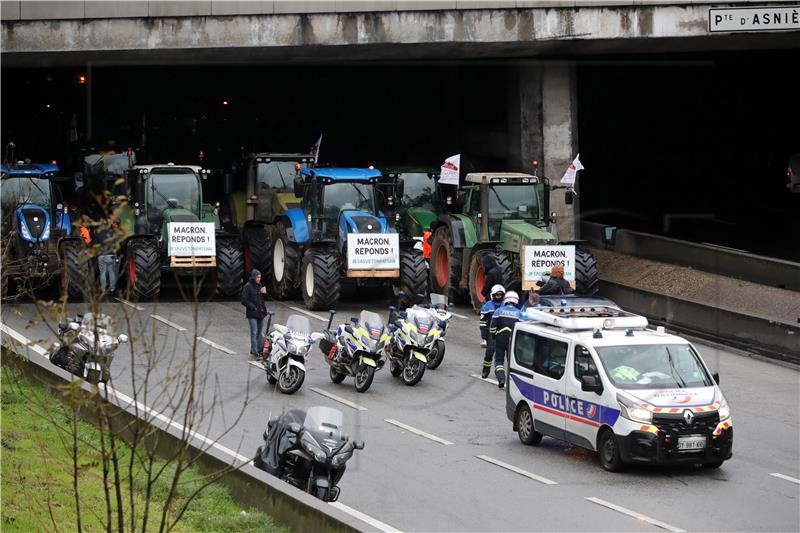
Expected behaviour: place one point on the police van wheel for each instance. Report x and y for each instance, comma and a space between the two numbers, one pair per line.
527, 434
608, 448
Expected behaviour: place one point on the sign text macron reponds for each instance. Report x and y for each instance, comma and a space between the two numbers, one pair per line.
538, 260
188, 239
378, 251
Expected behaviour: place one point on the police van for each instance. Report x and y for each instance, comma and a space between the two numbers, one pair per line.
597, 377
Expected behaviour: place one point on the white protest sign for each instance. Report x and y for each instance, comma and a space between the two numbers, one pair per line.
449, 172
572, 171
373, 251
538, 260
191, 239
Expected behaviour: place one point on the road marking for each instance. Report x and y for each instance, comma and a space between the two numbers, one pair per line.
487, 380
258, 364
309, 313
23, 340
460, 316
129, 304
725, 247
636, 515
377, 524
217, 346
167, 322
417, 431
519, 471
787, 478
348, 403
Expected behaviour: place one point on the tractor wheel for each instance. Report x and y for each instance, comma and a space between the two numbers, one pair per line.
76, 270
586, 278
413, 276
285, 262
445, 273
477, 275
321, 279
143, 261
230, 261
258, 252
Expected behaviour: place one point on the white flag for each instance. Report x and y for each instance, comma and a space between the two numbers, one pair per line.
315, 148
572, 171
450, 170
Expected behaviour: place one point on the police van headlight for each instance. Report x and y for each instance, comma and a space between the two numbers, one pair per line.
634, 412
724, 412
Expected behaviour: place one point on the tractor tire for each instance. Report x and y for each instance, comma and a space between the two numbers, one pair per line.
285, 263
321, 278
413, 276
258, 251
477, 276
76, 270
143, 261
230, 266
587, 280
445, 272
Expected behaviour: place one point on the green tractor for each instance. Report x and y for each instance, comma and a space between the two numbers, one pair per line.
172, 230
500, 214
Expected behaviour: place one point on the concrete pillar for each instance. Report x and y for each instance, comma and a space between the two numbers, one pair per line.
524, 115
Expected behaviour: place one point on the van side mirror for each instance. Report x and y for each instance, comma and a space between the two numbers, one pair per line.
591, 384
298, 187
569, 197
295, 428
358, 444
715, 375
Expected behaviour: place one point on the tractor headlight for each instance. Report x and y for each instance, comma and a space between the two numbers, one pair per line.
45, 233
26, 234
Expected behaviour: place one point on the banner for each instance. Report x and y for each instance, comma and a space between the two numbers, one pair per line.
373, 251
450, 170
538, 260
191, 239
572, 171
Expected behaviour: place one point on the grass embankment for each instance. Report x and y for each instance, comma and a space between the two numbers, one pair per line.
37, 481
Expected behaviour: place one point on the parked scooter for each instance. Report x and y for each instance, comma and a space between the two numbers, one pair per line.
308, 450
85, 347
355, 349
441, 312
285, 351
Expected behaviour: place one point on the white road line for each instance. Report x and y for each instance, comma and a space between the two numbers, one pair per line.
516, 470
23, 340
636, 515
258, 364
787, 478
217, 346
487, 380
377, 524
167, 322
460, 316
129, 304
339, 399
417, 431
312, 315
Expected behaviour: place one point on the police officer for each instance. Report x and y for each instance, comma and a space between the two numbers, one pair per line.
488, 309
501, 327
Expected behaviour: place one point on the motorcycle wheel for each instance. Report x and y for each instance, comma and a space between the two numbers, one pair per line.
437, 354
290, 380
395, 369
336, 376
364, 378
272, 380
413, 371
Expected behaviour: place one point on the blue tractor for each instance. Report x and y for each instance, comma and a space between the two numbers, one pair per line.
339, 236
37, 242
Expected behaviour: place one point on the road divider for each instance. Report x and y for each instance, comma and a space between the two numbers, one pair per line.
416, 431
634, 514
23, 340
516, 470
339, 399
215, 345
168, 323
785, 477
374, 522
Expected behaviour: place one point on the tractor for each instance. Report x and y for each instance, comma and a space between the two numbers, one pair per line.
37, 232
338, 234
171, 230
501, 213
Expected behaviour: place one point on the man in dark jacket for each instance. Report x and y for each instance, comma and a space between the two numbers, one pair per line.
494, 276
253, 301
108, 241
501, 327
556, 285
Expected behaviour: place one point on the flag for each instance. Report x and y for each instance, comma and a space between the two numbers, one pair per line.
73, 129
315, 148
569, 176
450, 170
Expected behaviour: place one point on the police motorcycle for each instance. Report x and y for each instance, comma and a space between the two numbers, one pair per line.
285, 351
308, 449
355, 349
413, 334
441, 313
85, 347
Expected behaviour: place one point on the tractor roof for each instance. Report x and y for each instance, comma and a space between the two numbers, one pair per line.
397, 169
490, 177
343, 174
280, 157
149, 168
29, 169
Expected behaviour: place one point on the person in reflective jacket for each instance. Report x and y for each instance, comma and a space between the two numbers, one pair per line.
488, 309
501, 327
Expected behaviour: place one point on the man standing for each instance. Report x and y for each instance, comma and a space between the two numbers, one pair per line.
501, 327
253, 301
487, 340
106, 239
556, 285
494, 276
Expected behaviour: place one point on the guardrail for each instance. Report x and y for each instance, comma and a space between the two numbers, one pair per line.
248, 485
763, 335
740, 265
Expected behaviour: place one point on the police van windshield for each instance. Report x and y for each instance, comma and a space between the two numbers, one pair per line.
653, 366
174, 189
418, 189
277, 174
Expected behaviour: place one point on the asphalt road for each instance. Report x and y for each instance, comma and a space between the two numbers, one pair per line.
417, 483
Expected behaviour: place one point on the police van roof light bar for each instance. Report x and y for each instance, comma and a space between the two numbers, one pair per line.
586, 318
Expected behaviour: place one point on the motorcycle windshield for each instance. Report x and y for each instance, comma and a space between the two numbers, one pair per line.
423, 322
439, 300
325, 421
373, 323
299, 325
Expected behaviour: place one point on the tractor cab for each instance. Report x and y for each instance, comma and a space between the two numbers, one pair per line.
414, 192
270, 189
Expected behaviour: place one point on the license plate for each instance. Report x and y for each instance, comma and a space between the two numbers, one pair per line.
690, 444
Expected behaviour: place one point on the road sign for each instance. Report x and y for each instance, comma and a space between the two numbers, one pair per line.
766, 18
